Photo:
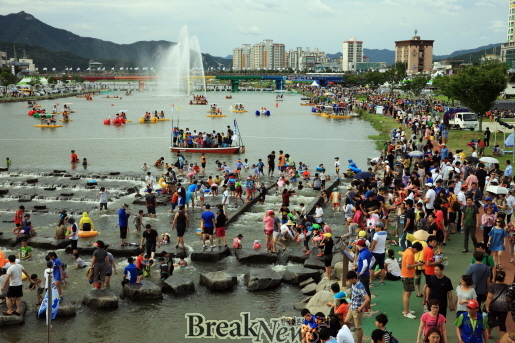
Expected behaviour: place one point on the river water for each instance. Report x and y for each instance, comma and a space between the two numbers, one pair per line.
291, 127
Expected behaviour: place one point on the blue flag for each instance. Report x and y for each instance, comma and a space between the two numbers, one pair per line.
55, 302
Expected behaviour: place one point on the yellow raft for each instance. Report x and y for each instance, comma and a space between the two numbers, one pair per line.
239, 111
64, 120
163, 119
48, 126
91, 233
216, 115
143, 121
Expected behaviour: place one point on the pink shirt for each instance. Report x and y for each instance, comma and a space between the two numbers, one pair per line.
430, 321
269, 223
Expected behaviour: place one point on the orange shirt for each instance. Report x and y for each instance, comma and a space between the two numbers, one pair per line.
428, 256
408, 257
281, 160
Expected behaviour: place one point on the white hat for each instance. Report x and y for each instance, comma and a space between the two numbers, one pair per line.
429, 184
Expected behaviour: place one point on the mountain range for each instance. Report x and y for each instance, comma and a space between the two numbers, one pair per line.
57, 48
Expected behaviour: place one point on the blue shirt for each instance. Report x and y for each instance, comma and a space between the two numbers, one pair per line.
357, 296
57, 272
508, 171
312, 323
208, 217
123, 218
364, 255
131, 272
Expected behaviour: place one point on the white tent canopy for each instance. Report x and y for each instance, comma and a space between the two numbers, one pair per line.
314, 84
27, 79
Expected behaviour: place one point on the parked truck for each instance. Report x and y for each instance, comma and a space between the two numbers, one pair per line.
464, 120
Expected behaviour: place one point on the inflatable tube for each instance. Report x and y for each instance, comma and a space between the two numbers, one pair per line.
163, 119
107, 121
36, 115
48, 126
354, 169
153, 120
87, 233
162, 183
198, 231
65, 120
267, 113
258, 113
313, 109
2, 259
319, 169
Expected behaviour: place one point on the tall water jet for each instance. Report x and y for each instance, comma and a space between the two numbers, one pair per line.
180, 70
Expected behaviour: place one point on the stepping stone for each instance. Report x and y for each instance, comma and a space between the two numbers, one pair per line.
296, 274
148, 290
66, 309
56, 171
67, 194
100, 299
314, 262
178, 285
247, 255
24, 200
31, 181
209, 255
318, 303
306, 282
48, 243
262, 278
114, 173
3, 191
309, 289
7, 320
40, 207
49, 189
297, 256
140, 201
218, 281
126, 251
74, 178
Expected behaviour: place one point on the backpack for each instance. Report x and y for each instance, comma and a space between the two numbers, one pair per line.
392, 339
455, 204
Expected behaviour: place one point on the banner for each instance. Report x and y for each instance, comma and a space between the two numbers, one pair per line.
55, 302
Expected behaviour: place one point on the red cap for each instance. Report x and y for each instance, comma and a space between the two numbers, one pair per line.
473, 304
362, 243
270, 212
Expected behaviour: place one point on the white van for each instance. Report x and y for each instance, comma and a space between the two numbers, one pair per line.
464, 120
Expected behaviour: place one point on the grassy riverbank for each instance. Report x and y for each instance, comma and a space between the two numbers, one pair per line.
383, 124
48, 96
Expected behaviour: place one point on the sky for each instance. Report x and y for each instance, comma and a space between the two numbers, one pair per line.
222, 25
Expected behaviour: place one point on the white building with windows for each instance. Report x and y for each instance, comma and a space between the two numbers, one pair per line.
265, 55
352, 54
299, 59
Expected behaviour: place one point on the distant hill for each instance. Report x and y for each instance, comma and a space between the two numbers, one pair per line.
490, 47
25, 28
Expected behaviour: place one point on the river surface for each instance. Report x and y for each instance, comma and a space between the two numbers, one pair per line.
291, 127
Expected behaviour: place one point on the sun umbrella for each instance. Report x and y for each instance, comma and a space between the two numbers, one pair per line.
487, 159
473, 160
421, 235
363, 175
497, 189
416, 153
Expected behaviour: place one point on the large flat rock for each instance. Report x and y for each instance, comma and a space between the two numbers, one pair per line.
314, 262
147, 291
209, 255
126, 251
247, 255
297, 256
262, 278
12, 319
48, 243
66, 308
318, 303
296, 274
100, 299
218, 281
178, 284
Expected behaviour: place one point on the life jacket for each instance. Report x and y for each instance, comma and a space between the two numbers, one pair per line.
231, 181
249, 185
470, 335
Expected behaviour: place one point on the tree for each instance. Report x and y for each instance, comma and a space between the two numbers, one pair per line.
64, 78
396, 74
374, 79
7, 78
442, 85
478, 87
34, 82
77, 79
352, 79
416, 84
52, 80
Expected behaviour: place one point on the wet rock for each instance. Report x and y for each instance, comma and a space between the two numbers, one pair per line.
7, 241
49, 189
7, 320
40, 207
325, 285
209, 255
74, 178
296, 274
218, 281
178, 285
318, 303
24, 200
247, 255
126, 251
131, 190
114, 173
148, 290
309, 289
3, 191
4, 169
140, 201
56, 171
297, 256
66, 308
100, 299
314, 262
48, 243
67, 194
30, 181
306, 282
338, 270
67, 175
91, 183
262, 278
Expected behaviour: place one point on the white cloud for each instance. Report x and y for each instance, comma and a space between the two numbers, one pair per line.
318, 7
390, 3
401, 23
251, 30
484, 4
498, 26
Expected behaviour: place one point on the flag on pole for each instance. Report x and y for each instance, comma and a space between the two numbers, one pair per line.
55, 302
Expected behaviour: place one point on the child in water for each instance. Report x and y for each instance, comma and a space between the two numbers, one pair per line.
36, 283
84, 162
182, 263
256, 245
236, 244
165, 238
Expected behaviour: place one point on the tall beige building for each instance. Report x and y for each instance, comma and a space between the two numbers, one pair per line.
352, 54
416, 52
241, 58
